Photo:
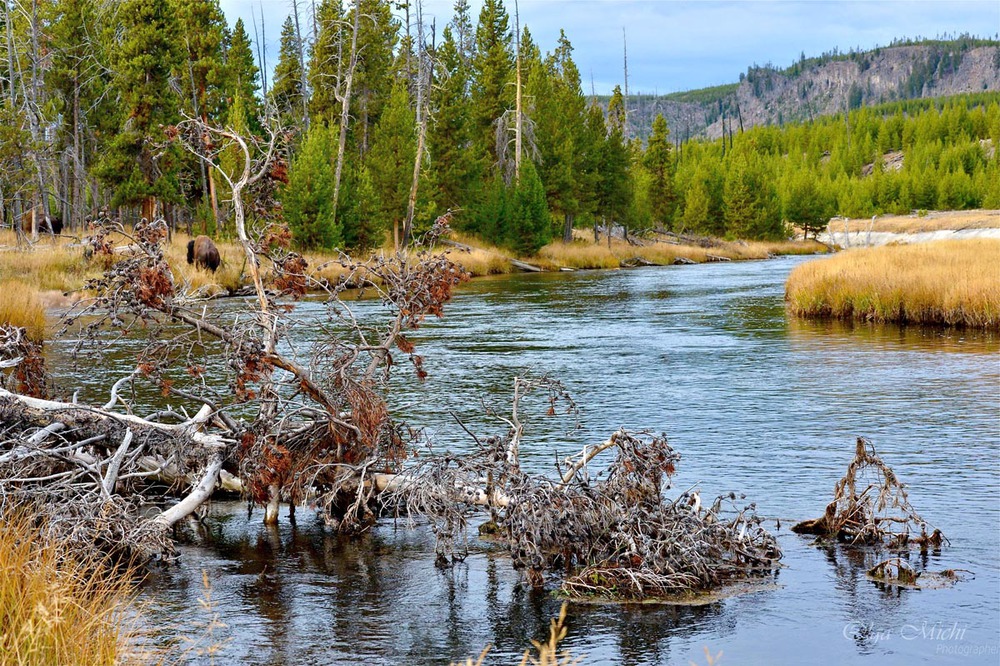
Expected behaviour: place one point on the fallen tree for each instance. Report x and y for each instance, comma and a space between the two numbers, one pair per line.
281, 424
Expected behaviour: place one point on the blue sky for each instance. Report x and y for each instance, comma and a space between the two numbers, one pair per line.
675, 45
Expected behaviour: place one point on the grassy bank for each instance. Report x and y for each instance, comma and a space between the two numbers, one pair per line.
919, 223
953, 283
582, 254
53, 608
55, 267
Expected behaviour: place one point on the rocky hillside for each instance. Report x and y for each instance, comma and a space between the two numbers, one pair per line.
825, 85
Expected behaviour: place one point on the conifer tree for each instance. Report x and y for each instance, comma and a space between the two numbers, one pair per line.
361, 211
77, 93
752, 207
492, 72
592, 142
657, 160
391, 157
697, 208
203, 30
241, 79
144, 59
528, 225
453, 166
560, 133
307, 200
377, 40
613, 193
330, 54
287, 87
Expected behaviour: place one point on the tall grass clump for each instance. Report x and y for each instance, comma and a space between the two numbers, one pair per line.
954, 283
58, 607
21, 306
49, 267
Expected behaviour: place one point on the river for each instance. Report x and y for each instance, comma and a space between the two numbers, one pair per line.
754, 402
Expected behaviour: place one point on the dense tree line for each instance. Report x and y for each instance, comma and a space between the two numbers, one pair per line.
392, 122
894, 158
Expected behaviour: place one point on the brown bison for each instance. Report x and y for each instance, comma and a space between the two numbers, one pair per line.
53, 225
203, 253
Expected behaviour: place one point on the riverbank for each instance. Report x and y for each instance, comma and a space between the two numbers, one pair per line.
59, 607
950, 282
59, 269
918, 227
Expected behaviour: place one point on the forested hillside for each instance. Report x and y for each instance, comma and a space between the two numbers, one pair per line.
831, 83
384, 127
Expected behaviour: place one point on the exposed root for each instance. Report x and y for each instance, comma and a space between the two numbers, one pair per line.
871, 507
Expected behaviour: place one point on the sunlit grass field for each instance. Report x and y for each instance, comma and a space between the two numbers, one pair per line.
56, 607
954, 282
57, 266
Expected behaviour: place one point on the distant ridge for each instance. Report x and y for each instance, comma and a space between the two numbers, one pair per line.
824, 85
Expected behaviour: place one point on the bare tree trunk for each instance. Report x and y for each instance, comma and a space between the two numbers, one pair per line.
422, 114
345, 108
17, 207
568, 228
625, 99
197, 112
34, 110
302, 65
518, 108
75, 220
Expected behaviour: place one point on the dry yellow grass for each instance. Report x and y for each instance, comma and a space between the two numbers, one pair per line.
54, 609
56, 268
912, 224
945, 282
584, 254
20, 305
47, 266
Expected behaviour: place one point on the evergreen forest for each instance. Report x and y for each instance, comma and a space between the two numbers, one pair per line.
388, 122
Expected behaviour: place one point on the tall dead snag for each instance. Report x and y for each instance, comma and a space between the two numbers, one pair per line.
613, 535
424, 72
871, 507
343, 92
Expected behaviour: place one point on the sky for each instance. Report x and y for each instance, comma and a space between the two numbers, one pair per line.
675, 45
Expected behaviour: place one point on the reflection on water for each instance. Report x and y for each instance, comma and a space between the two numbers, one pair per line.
836, 332
753, 401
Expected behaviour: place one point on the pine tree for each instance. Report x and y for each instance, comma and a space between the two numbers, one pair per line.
804, 204
614, 193
453, 166
361, 211
144, 60
492, 72
591, 149
287, 88
658, 162
696, 209
559, 113
307, 199
203, 37
76, 93
242, 78
752, 207
528, 225
330, 54
373, 82
391, 157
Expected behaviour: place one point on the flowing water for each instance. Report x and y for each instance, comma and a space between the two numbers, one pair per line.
754, 402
